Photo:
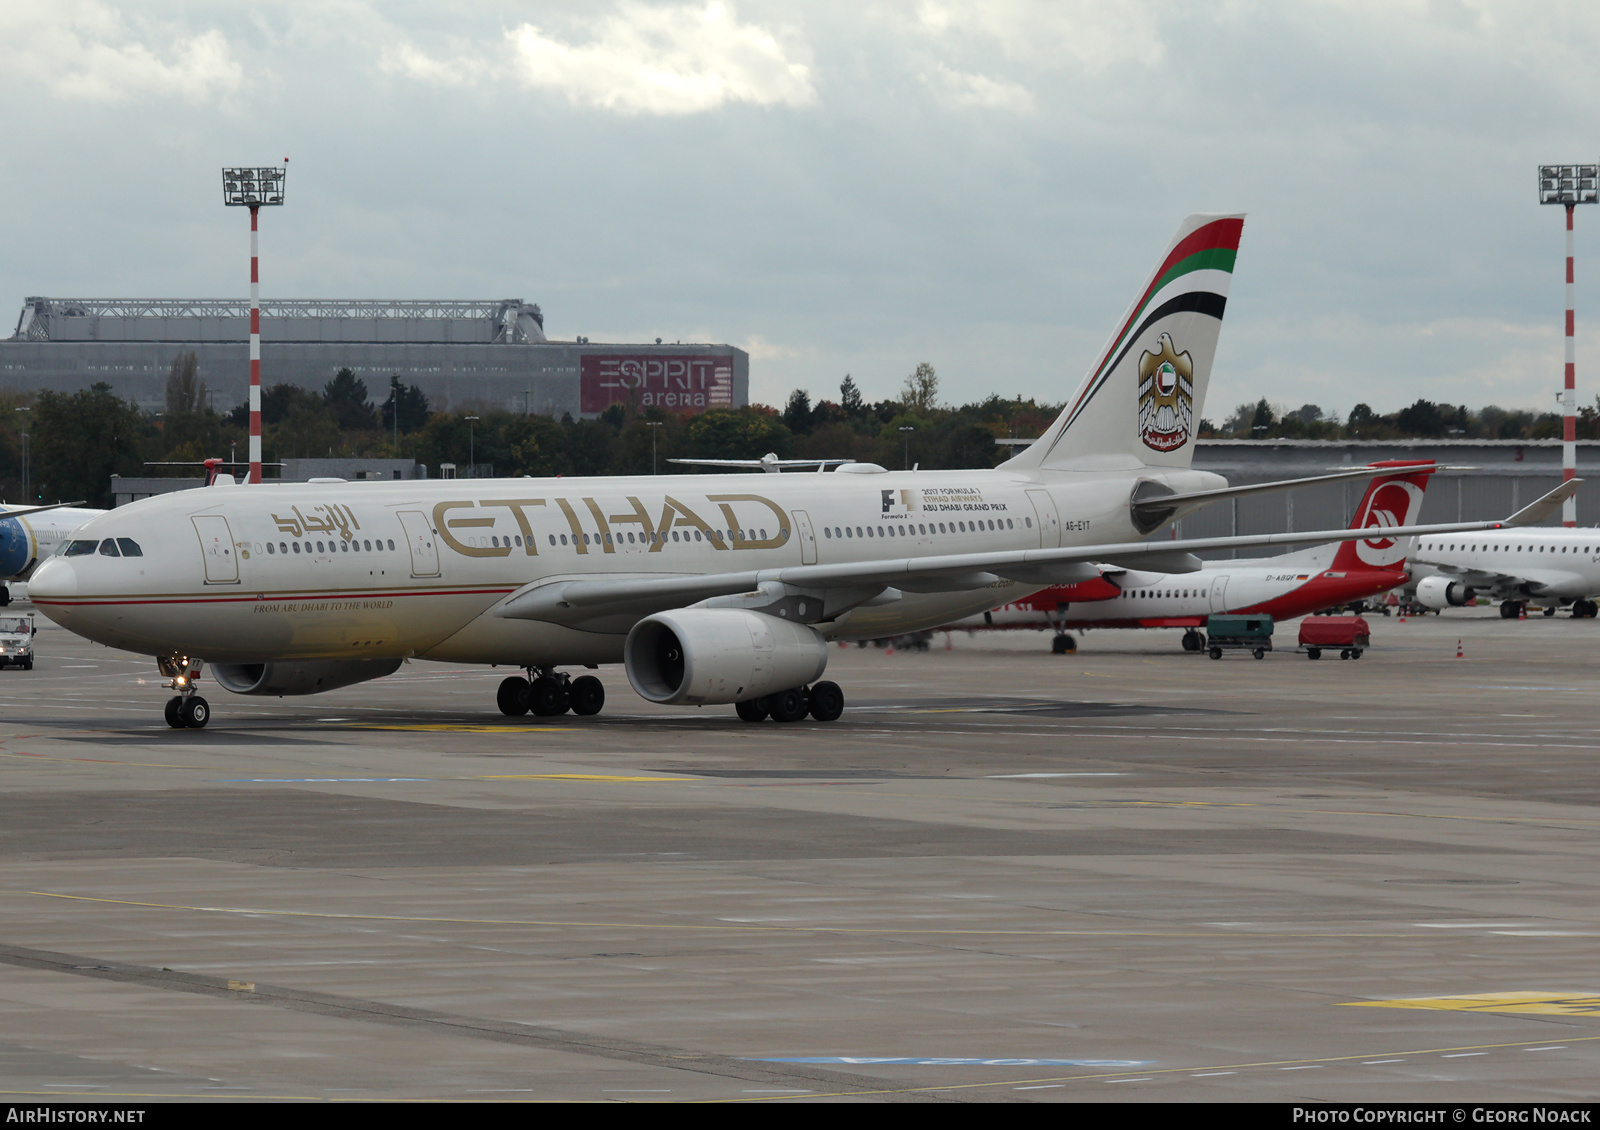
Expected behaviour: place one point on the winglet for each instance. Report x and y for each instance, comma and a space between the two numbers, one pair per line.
1541, 508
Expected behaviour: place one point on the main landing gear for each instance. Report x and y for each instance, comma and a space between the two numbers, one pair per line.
824, 701
1193, 640
1063, 644
1584, 609
548, 693
185, 710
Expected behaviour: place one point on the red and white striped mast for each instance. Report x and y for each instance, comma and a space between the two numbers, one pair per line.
254, 188
1569, 185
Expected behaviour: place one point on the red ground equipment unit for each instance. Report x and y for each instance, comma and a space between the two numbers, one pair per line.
1347, 633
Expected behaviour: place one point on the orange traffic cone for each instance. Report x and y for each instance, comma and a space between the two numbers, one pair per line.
1459, 653
1522, 612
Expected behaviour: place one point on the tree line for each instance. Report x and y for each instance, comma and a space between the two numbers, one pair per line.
76, 441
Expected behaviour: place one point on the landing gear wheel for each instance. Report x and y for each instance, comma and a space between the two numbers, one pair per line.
788, 706
1508, 610
752, 709
195, 712
1313, 653
512, 697
1550, 611
827, 701
588, 695
544, 697
1193, 640
1215, 653
1063, 645
174, 713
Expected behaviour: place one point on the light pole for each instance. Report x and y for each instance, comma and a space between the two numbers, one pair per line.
653, 425
472, 449
1569, 186
254, 188
905, 434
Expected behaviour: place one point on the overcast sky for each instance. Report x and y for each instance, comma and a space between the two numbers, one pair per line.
841, 186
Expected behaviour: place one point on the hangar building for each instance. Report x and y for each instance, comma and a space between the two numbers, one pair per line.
486, 354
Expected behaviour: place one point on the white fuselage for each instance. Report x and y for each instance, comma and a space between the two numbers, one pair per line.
1547, 565
417, 568
33, 537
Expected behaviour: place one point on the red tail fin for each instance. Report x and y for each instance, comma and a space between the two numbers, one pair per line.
1392, 500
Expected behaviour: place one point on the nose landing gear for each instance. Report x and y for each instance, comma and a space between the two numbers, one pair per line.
185, 710
548, 693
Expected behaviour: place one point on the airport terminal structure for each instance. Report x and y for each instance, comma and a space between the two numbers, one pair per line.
488, 354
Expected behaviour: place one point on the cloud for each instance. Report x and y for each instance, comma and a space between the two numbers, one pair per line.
84, 50
985, 92
1087, 37
666, 60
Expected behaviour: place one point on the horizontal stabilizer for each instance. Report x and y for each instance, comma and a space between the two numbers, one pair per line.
1159, 508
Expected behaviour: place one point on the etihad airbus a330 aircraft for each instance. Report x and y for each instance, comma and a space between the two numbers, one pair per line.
1294, 584
710, 589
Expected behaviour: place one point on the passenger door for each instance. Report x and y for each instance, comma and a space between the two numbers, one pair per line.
217, 548
807, 535
420, 541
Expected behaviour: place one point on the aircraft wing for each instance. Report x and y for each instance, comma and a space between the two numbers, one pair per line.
609, 603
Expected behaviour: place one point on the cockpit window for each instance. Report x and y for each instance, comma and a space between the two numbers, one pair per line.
130, 548
82, 547
108, 548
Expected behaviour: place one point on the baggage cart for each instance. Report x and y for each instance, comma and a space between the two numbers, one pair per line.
1323, 633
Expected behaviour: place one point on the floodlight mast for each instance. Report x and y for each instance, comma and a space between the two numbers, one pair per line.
254, 188
1569, 186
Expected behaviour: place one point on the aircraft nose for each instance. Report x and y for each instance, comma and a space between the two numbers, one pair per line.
53, 579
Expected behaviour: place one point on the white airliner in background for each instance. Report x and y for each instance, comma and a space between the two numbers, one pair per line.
29, 534
710, 589
1294, 584
1547, 567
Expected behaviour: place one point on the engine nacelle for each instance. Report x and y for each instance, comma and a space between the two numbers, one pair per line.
704, 656
299, 676
1442, 592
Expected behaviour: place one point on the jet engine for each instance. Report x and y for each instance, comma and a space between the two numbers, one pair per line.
704, 656
299, 676
1442, 592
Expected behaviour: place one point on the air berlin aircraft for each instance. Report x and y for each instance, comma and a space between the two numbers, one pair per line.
1281, 587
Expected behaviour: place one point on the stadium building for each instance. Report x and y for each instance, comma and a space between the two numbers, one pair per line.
491, 354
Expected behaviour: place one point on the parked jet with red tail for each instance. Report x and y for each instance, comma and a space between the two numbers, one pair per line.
1294, 584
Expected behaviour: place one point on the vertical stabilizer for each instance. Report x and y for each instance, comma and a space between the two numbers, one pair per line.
1394, 500
1144, 396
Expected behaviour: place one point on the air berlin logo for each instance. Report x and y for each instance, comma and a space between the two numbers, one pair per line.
1392, 504
1166, 397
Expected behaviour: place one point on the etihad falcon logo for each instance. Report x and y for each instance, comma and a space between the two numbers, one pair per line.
1166, 397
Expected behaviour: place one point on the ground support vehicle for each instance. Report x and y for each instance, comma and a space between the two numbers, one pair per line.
16, 640
1349, 634
1238, 633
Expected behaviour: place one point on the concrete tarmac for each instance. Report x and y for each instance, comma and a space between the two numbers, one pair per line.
1131, 873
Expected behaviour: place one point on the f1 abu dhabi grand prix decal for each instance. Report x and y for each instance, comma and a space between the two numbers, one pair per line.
1166, 397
